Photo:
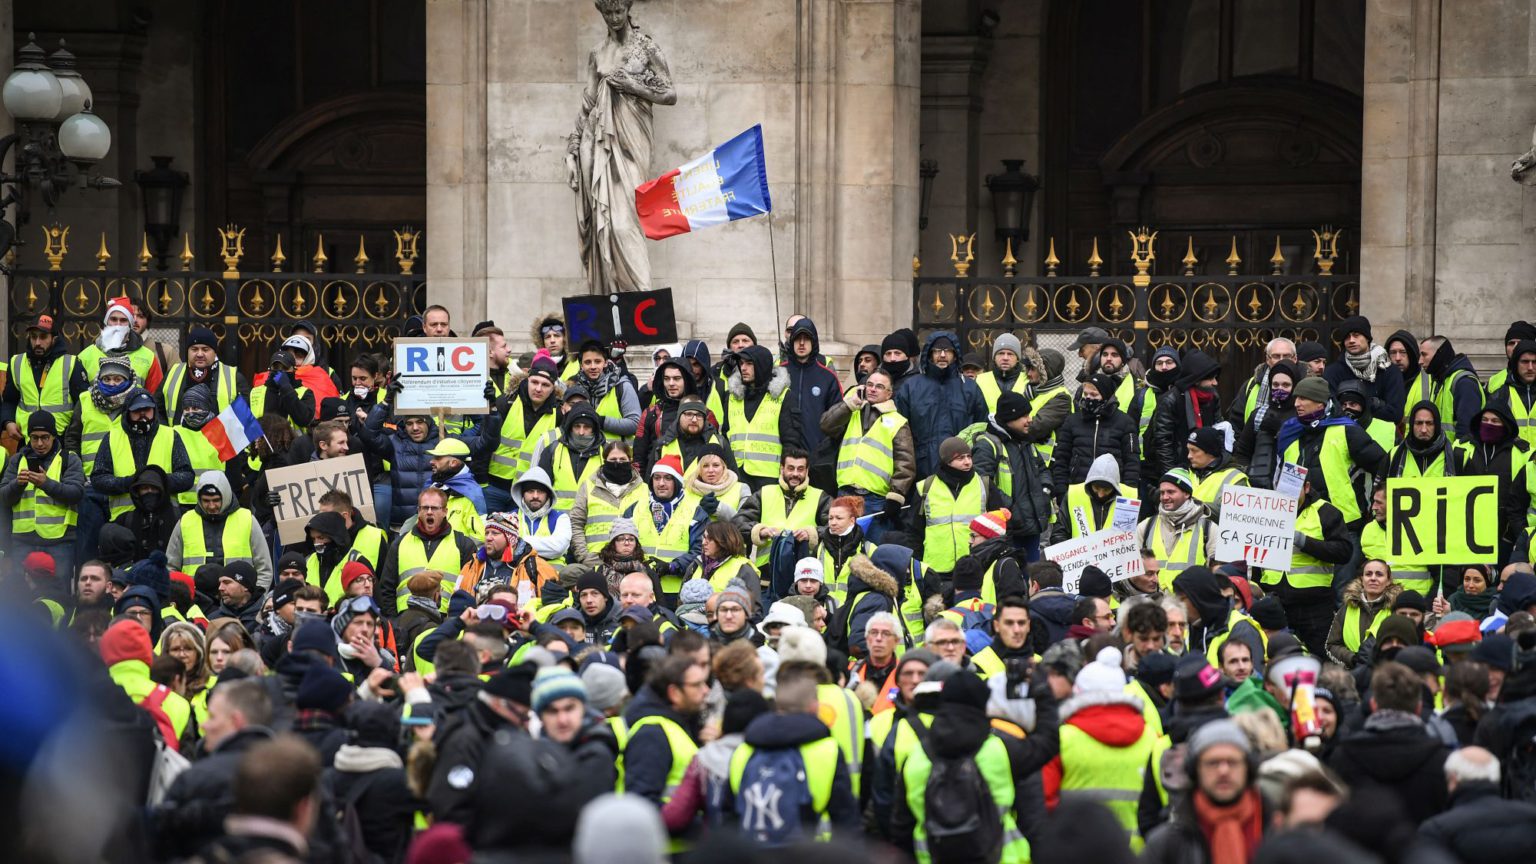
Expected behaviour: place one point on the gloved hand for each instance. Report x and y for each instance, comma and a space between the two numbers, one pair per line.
274, 499
490, 392
616, 348
709, 504
396, 386
281, 381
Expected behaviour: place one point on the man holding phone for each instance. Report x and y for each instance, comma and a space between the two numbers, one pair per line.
43, 486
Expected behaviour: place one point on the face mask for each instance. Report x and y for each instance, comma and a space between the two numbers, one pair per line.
1161, 379
113, 336
1279, 397
1092, 407
896, 368
114, 389
322, 548
194, 419
1353, 413
1491, 432
150, 500
199, 375
139, 427
582, 442
1312, 417
618, 472
360, 392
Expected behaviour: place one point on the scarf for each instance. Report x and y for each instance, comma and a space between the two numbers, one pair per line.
1366, 365
1171, 524
1232, 832
1200, 400
1476, 605
108, 401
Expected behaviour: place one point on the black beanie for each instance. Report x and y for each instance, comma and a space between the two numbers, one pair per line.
1010, 407
593, 579
42, 421
514, 683
743, 706
1269, 613
968, 574
1210, 440
1093, 583
1106, 384
1520, 330
242, 572
965, 688
903, 340
1355, 324
1411, 599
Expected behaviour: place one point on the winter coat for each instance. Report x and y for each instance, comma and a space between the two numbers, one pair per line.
1482, 827
813, 387
1495, 460
647, 756
870, 590
261, 551
1354, 595
1466, 395
938, 404
410, 468
835, 424
1082, 439
774, 732
612, 378
1395, 752
661, 414
1029, 504
1181, 841
69, 489
1254, 450
1050, 615
1110, 718
192, 814
1386, 393
461, 742
178, 478
374, 779
778, 383
1178, 413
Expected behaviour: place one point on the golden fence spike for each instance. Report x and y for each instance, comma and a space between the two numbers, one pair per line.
186, 251
1051, 261
1009, 262
278, 257
362, 255
1233, 259
1277, 260
319, 259
1190, 260
1094, 261
144, 256
102, 255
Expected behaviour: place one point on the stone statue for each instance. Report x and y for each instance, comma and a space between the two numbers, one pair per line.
1524, 169
609, 154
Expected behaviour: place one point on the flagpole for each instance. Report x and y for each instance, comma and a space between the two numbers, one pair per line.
773, 262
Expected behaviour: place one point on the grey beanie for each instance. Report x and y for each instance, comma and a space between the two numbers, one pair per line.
1007, 342
694, 591
619, 829
1218, 732
605, 686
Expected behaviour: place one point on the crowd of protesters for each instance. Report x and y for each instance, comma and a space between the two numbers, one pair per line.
754, 604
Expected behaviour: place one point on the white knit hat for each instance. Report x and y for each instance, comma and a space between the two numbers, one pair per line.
1103, 674
802, 643
810, 568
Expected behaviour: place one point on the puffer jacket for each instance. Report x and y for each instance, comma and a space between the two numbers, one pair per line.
1178, 412
938, 404
1354, 595
1082, 439
1496, 460
870, 590
410, 468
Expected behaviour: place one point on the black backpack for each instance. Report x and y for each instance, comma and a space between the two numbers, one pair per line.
961, 819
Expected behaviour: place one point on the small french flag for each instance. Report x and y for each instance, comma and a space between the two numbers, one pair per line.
729, 182
233, 430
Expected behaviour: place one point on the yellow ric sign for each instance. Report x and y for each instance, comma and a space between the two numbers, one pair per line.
1442, 520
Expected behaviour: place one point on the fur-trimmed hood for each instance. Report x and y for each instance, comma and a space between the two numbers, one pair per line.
539, 321
777, 384
861, 569
515, 383
1354, 594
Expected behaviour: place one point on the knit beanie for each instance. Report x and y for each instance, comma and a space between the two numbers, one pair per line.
283, 593
1210, 440
951, 448
1308, 351
810, 568
1105, 384
555, 683
322, 688
605, 686
506, 523
1007, 342
240, 571
803, 644
1268, 612
351, 570
592, 579
1156, 669
1355, 324
967, 575
1397, 627
290, 561
903, 340
806, 605
1195, 680
967, 689
1103, 674
1181, 478
1313, 388
1411, 599
694, 591
737, 596
991, 524
1218, 732
315, 635
153, 574
619, 829
514, 683
1010, 407
1093, 583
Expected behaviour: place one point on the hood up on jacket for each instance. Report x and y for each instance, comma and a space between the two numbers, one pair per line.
216, 479
1197, 367
125, 641
865, 575
142, 595
1446, 361
782, 731
534, 476
332, 526
808, 327
538, 324
1525, 346
698, 349
1203, 588
950, 372
690, 385
1500, 409
1112, 717
1354, 593
589, 414
767, 375
1105, 469
1411, 345
895, 560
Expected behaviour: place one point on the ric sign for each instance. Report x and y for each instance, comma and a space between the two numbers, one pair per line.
1451, 520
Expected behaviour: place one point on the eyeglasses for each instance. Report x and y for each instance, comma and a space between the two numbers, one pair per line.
429, 508
946, 643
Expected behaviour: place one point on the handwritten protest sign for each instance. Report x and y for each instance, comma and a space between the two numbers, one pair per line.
300, 487
1257, 526
1114, 552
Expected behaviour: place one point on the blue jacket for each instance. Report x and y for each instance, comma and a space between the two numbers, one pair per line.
938, 404
813, 386
410, 468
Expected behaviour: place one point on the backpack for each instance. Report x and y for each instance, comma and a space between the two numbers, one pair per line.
772, 794
167, 766
961, 819
350, 836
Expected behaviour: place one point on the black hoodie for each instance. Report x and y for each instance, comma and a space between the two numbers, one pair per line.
1424, 454
1203, 590
1494, 459
768, 380
1466, 393
1411, 345
661, 413
813, 386
1515, 389
579, 456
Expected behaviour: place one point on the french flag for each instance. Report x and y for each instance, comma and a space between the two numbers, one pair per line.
728, 183
233, 430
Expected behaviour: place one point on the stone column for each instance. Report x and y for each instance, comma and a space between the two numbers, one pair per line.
951, 136
456, 236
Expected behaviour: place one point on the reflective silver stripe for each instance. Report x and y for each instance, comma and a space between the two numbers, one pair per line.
1011, 835
194, 560
876, 470
498, 459
50, 520
601, 519
875, 443
920, 846
1103, 796
950, 520
92, 437
855, 713
1310, 570
753, 436
120, 501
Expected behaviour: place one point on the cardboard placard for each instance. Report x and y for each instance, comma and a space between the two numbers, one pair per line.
636, 317
299, 488
442, 375
1442, 520
1114, 552
1257, 526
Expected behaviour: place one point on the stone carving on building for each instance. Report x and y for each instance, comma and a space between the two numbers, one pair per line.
609, 153
1524, 169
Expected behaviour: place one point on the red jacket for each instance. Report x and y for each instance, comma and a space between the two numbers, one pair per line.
1109, 717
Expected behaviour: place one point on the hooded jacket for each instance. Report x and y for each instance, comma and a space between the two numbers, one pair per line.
152, 526
1365, 455
1178, 413
871, 350
1112, 718
1423, 455
1394, 753
578, 455
709, 383
177, 480
1466, 394
1048, 417
1083, 438
213, 531
1514, 388
1411, 345
1203, 588
813, 387
938, 404
834, 424
870, 590
553, 546
661, 414
770, 380
410, 468
1105, 471
1029, 501
1497, 460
